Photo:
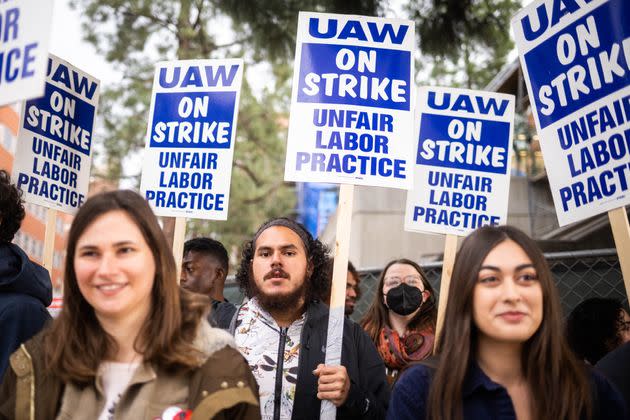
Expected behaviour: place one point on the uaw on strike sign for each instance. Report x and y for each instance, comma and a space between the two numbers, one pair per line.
351, 119
576, 58
54, 146
462, 177
187, 165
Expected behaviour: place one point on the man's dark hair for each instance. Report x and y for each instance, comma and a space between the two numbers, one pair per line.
316, 253
208, 246
353, 271
11, 208
329, 275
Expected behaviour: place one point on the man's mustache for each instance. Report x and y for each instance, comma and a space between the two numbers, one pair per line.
276, 273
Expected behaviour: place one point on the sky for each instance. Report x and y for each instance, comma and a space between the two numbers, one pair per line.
67, 43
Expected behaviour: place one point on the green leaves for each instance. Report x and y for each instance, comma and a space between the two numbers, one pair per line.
465, 41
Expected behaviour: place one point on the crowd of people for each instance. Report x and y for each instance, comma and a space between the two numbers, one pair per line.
133, 341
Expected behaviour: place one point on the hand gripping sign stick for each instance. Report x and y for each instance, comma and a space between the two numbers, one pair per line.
621, 233
337, 293
450, 250
178, 244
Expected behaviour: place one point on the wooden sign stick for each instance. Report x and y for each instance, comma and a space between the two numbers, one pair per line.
621, 233
338, 289
49, 240
450, 250
178, 244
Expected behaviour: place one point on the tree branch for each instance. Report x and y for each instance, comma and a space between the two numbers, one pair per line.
167, 24
275, 187
243, 167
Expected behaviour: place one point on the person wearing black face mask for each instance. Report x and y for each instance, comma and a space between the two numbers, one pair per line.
401, 320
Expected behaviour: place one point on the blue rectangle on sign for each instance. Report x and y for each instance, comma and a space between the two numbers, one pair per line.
193, 120
373, 77
70, 125
479, 145
603, 70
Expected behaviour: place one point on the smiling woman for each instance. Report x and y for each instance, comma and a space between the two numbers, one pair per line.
501, 352
115, 272
128, 342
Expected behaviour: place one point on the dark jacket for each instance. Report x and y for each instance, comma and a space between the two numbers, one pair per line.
485, 399
223, 387
369, 392
616, 368
25, 292
221, 313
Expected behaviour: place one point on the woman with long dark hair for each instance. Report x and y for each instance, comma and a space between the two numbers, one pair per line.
401, 320
128, 342
502, 351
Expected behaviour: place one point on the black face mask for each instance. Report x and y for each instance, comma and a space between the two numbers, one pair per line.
403, 299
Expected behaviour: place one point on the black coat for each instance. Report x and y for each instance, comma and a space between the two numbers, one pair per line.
25, 292
616, 368
369, 391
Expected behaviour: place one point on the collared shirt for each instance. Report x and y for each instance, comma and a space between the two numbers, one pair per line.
486, 399
273, 354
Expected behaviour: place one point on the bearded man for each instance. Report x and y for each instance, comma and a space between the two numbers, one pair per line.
281, 329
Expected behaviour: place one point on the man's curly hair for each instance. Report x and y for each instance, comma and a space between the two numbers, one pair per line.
11, 208
317, 254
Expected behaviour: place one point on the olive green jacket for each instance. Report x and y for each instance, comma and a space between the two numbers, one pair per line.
222, 388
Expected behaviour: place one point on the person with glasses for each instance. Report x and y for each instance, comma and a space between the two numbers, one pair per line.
401, 320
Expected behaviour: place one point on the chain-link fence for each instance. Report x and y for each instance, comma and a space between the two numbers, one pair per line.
579, 275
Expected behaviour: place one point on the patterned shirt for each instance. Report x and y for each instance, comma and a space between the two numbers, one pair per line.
269, 348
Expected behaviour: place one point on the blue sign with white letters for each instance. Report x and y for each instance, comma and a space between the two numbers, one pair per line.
589, 62
352, 75
487, 153
182, 120
70, 127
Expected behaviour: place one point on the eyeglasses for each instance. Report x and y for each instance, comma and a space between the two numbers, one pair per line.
411, 280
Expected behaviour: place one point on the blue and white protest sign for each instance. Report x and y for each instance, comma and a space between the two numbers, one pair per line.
187, 164
463, 155
24, 35
575, 55
54, 146
351, 109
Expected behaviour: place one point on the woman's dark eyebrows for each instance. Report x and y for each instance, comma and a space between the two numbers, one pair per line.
517, 268
125, 242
